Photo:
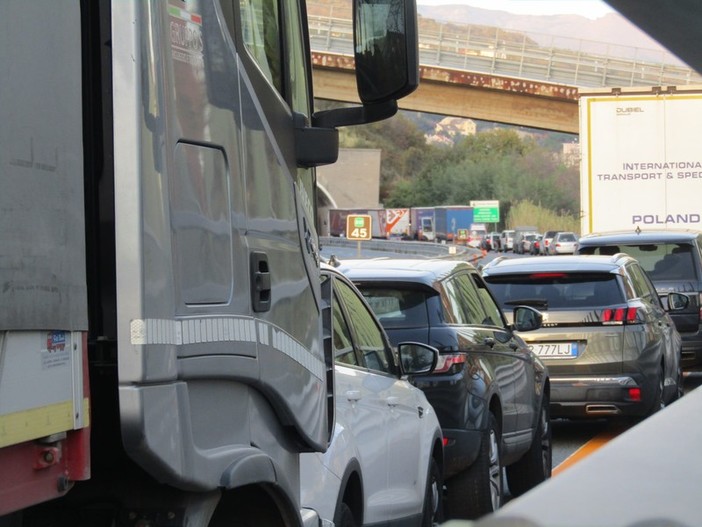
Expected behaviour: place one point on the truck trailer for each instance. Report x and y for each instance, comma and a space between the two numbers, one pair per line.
453, 223
162, 351
641, 166
338, 217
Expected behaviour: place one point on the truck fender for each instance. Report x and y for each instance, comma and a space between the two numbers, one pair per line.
251, 466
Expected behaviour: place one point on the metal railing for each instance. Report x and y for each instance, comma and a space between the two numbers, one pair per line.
530, 56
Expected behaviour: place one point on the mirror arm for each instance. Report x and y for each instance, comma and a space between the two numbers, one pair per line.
368, 113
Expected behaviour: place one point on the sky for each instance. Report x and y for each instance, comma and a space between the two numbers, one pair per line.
587, 8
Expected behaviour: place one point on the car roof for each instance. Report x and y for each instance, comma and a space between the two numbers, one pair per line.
620, 237
566, 263
425, 271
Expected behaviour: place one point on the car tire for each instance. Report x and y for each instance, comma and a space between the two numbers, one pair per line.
433, 510
658, 403
535, 466
479, 489
680, 384
344, 517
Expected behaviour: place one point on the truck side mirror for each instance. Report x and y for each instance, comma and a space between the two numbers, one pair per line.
386, 51
387, 68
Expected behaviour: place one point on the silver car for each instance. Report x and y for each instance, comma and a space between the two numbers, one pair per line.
609, 344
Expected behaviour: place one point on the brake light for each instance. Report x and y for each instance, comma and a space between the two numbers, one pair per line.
445, 362
620, 315
635, 394
540, 276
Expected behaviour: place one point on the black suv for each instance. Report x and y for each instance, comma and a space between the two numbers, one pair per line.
489, 391
673, 261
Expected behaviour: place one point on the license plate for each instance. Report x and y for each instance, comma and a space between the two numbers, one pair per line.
556, 350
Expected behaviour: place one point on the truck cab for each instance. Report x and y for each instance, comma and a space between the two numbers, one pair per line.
162, 325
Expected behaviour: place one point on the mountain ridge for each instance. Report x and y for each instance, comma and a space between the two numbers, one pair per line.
611, 34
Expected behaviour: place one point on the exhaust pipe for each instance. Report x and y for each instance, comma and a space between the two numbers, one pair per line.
601, 409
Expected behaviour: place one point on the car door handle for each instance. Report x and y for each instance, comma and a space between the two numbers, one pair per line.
489, 341
392, 401
353, 395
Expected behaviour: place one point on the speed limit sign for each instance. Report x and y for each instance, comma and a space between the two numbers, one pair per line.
358, 227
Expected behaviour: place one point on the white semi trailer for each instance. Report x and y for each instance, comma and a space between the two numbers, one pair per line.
641, 165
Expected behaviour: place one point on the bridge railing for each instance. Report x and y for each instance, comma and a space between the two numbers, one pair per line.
532, 56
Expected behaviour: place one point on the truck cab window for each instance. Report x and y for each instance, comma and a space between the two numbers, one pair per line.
260, 27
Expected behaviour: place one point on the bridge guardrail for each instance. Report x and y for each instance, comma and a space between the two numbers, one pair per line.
423, 249
560, 61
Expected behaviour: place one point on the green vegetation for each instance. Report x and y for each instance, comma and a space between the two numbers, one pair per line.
527, 213
523, 170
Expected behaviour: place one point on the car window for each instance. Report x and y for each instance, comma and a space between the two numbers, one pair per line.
494, 316
463, 304
556, 290
367, 333
566, 237
641, 285
341, 337
398, 308
662, 261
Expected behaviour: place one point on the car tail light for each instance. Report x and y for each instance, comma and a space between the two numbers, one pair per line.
620, 315
448, 361
635, 394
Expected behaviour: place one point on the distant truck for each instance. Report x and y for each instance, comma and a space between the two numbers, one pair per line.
453, 223
641, 164
397, 223
385, 223
422, 224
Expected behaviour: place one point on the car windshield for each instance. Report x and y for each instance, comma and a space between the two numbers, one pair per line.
662, 261
568, 237
556, 290
396, 308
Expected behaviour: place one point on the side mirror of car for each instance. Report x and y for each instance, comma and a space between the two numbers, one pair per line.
677, 301
416, 358
527, 318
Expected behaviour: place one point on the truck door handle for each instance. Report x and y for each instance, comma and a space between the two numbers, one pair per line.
392, 401
489, 341
260, 282
353, 395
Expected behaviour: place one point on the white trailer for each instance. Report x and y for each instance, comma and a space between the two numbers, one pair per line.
641, 164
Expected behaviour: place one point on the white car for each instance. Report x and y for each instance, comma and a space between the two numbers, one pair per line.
563, 243
384, 463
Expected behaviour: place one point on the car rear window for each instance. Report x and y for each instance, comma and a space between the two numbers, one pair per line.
396, 308
662, 261
567, 238
556, 290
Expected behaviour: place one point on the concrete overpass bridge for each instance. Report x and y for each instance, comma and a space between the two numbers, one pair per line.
498, 76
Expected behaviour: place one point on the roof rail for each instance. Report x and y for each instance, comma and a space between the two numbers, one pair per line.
618, 256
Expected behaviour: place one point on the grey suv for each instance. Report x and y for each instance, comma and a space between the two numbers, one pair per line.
489, 391
610, 346
673, 261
